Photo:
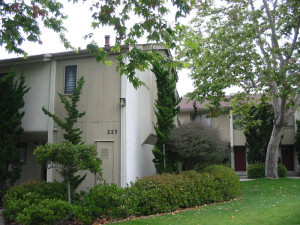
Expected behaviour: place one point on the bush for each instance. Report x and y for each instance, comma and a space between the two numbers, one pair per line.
168, 192
258, 170
197, 145
47, 211
226, 180
282, 170
30, 193
105, 201
46, 203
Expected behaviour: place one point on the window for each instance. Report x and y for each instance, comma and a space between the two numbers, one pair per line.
70, 79
21, 148
236, 124
291, 122
201, 117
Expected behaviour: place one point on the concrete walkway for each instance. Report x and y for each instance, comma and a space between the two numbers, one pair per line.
243, 175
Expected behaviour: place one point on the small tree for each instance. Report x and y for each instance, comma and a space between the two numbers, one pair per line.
258, 125
67, 158
71, 134
11, 101
166, 109
297, 138
197, 145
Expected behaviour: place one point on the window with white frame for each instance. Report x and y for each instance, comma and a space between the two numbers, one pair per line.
201, 117
70, 79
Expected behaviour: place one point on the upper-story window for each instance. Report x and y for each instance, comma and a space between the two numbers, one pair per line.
237, 124
291, 122
70, 79
201, 117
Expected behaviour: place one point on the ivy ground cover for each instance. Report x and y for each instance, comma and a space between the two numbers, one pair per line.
263, 201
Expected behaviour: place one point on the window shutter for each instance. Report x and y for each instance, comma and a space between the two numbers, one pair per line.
70, 79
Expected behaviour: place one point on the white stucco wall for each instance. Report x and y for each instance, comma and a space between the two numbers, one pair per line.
37, 77
138, 127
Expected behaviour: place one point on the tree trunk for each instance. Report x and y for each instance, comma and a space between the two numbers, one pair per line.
68, 187
271, 169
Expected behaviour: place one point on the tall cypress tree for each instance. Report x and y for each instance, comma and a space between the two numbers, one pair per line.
166, 109
11, 101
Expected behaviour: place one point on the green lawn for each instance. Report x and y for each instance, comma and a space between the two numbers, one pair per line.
262, 201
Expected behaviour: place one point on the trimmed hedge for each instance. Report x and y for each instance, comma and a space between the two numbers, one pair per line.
46, 203
24, 195
104, 201
168, 192
258, 170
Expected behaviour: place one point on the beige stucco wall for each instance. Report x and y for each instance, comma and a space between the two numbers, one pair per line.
37, 77
222, 122
288, 136
184, 117
100, 99
34, 122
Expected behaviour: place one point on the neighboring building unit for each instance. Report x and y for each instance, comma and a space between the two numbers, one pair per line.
119, 118
235, 137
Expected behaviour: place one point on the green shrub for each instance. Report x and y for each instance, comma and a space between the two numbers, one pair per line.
30, 193
258, 170
282, 170
227, 182
168, 192
105, 201
47, 211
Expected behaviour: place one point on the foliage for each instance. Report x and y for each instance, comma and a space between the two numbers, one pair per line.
263, 201
166, 110
226, 181
253, 46
20, 21
105, 201
45, 203
297, 138
258, 170
258, 123
69, 158
71, 134
151, 24
197, 145
30, 193
168, 192
12, 92
47, 211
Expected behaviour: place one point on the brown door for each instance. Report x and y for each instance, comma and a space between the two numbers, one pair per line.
287, 155
240, 158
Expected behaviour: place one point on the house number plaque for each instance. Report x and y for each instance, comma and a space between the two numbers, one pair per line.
112, 131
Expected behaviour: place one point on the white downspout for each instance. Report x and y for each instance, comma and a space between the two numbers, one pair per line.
231, 140
51, 109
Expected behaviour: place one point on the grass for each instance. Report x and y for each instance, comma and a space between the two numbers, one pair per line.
262, 201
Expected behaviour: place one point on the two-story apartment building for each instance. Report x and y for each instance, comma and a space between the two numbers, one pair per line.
119, 118
235, 137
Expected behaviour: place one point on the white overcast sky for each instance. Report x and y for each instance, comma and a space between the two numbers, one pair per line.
78, 25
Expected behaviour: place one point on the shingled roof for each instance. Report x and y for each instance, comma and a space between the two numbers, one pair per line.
187, 105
